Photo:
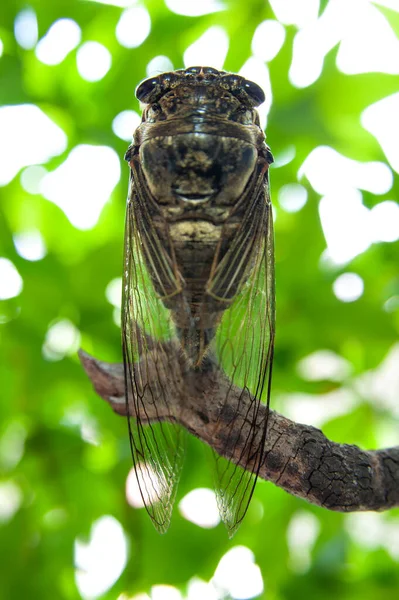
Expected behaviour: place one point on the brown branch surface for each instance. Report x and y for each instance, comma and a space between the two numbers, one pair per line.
298, 458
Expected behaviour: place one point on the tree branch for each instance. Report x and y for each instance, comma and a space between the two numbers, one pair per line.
298, 458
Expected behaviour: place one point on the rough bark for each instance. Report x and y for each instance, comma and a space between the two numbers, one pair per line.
298, 458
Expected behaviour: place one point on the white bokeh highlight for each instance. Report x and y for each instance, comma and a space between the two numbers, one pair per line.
12, 445
133, 27
381, 120
27, 127
125, 123
194, 8
93, 61
62, 37
10, 500
372, 531
268, 40
237, 575
210, 49
113, 292
101, 561
31, 178
159, 64
62, 339
26, 29
165, 592
120, 3
346, 226
292, 197
355, 54
256, 70
83, 183
30, 245
381, 385
197, 589
327, 170
385, 221
302, 533
349, 227
351, 25
200, 507
348, 287
324, 365
295, 12
135, 493
318, 409
11, 283
284, 156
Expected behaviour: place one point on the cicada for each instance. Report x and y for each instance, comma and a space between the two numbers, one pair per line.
198, 281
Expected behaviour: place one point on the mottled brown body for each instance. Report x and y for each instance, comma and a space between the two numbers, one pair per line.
198, 281
200, 147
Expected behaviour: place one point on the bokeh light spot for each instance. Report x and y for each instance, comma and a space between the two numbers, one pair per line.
256, 70
83, 183
120, 3
26, 127
295, 12
113, 292
101, 561
165, 592
268, 39
10, 500
62, 37
351, 25
31, 178
125, 123
384, 224
191, 8
356, 54
159, 64
302, 533
292, 197
148, 487
11, 283
30, 245
381, 385
324, 365
133, 27
318, 409
209, 50
323, 164
348, 287
346, 225
93, 61
200, 507
197, 589
381, 120
371, 530
238, 575
12, 444
25, 28
62, 339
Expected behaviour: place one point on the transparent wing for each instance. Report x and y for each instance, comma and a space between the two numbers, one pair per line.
244, 351
151, 361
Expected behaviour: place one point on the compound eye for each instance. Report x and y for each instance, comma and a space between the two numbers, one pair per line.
255, 92
146, 89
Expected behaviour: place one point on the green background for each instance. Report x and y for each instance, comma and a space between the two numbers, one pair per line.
67, 483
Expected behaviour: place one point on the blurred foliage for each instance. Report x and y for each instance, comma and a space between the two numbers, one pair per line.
67, 483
